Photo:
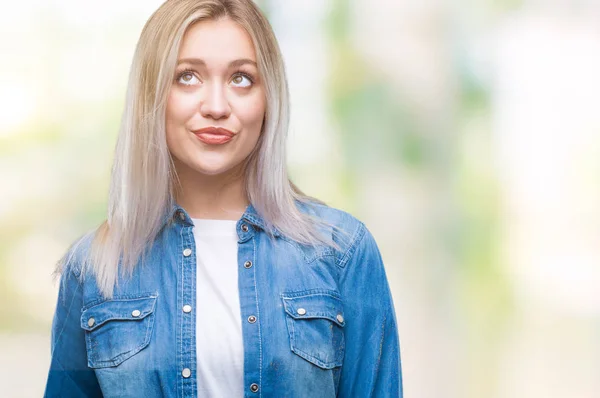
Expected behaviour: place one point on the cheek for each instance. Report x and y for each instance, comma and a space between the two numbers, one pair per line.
253, 113
176, 115
179, 108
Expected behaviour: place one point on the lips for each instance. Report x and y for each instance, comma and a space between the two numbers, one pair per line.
214, 135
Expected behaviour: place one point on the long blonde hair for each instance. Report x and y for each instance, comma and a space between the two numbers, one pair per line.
143, 175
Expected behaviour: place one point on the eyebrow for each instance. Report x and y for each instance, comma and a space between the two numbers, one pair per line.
198, 61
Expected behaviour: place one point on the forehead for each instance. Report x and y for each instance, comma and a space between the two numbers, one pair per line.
215, 40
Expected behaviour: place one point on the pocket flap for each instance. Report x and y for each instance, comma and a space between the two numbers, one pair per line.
308, 304
117, 309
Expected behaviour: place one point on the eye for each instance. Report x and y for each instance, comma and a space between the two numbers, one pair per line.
242, 80
187, 78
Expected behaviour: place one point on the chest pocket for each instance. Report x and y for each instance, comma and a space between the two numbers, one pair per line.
315, 324
117, 329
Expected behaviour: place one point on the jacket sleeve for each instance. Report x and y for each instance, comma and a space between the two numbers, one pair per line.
69, 375
371, 365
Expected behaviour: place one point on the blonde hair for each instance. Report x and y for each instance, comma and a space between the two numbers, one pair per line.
143, 175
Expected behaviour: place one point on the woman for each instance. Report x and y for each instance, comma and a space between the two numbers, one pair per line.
214, 276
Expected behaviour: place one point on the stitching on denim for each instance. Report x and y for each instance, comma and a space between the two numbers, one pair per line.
303, 354
318, 315
150, 326
315, 360
98, 324
194, 261
123, 297
68, 311
291, 320
312, 292
325, 252
358, 235
181, 269
378, 363
189, 245
260, 358
118, 359
292, 333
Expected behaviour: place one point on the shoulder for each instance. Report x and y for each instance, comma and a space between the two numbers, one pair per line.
347, 230
75, 257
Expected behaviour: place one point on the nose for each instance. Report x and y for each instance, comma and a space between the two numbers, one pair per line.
215, 104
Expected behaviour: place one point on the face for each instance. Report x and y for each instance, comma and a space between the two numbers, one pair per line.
216, 85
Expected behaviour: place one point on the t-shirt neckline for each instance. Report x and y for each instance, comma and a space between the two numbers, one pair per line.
212, 227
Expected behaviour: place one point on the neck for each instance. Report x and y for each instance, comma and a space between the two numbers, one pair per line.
219, 197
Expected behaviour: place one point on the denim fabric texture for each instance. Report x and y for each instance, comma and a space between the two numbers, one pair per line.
316, 322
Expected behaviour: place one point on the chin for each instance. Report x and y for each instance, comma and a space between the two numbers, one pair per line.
212, 170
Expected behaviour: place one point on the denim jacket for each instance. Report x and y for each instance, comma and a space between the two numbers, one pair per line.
316, 322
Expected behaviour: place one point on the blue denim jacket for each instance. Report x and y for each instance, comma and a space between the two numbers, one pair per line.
316, 322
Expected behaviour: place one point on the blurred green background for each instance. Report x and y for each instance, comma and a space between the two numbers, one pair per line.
464, 134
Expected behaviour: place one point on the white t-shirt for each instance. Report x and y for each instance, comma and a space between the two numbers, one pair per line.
219, 342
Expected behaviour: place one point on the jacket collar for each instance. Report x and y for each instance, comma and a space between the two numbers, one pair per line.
175, 212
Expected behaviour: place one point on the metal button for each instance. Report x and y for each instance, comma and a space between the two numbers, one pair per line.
301, 311
187, 308
136, 313
244, 228
251, 319
248, 264
181, 215
91, 322
254, 387
187, 252
186, 373
340, 318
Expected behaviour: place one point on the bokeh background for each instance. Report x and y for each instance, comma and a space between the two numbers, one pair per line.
465, 134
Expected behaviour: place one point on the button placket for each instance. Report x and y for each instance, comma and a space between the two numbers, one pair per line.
186, 357
247, 284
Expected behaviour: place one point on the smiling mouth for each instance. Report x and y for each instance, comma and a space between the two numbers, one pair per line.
214, 135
